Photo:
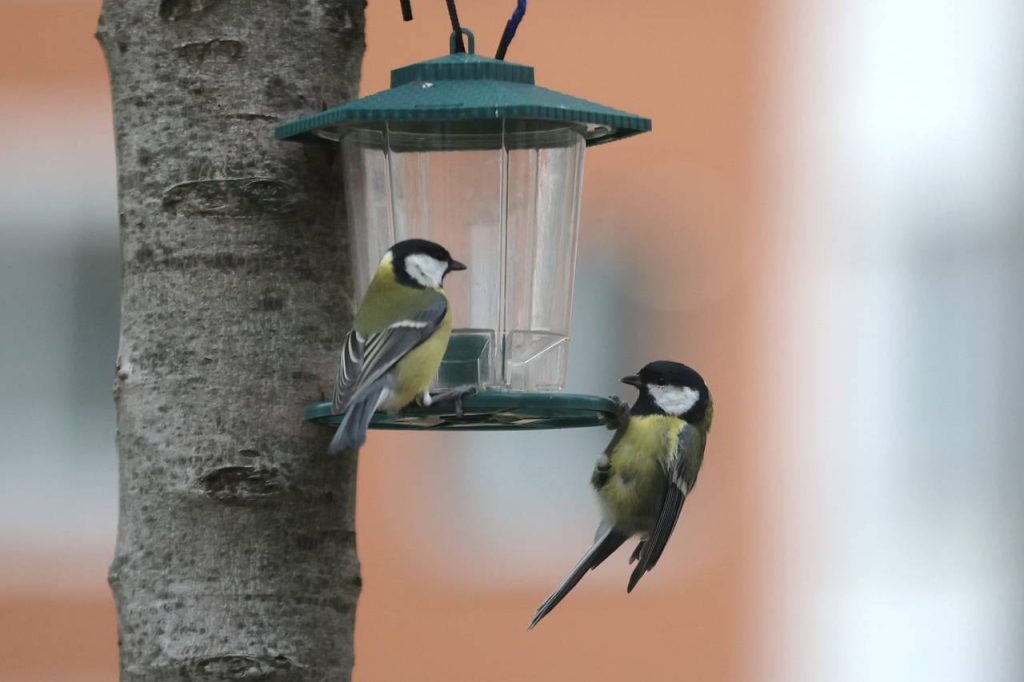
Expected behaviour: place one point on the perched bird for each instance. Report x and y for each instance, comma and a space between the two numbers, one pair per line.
397, 340
647, 470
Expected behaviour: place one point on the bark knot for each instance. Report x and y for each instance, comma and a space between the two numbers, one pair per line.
240, 667
222, 50
241, 484
172, 10
230, 196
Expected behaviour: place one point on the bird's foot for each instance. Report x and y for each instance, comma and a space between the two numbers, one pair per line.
454, 395
619, 418
635, 556
602, 472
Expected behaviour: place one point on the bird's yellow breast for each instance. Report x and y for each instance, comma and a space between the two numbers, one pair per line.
415, 372
633, 494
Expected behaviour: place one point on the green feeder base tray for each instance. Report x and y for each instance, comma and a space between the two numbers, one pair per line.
489, 411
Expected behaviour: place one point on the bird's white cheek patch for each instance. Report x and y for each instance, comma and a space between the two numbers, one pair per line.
674, 400
425, 269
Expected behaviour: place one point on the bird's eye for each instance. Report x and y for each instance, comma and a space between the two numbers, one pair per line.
660, 381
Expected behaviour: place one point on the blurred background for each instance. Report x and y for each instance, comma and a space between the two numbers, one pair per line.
827, 221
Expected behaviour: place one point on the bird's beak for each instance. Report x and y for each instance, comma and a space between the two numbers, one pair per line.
455, 265
633, 380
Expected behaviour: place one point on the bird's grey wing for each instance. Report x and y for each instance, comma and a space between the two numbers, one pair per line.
365, 359
682, 467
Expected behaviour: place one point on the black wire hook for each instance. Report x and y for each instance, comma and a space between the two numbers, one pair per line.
460, 44
453, 14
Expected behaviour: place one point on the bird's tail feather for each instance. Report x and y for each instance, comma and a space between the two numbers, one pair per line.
351, 432
607, 540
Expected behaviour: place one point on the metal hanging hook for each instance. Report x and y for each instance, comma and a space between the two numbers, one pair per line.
466, 32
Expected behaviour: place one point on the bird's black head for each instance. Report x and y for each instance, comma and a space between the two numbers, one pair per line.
422, 263
670, 388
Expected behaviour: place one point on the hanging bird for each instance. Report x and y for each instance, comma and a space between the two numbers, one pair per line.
397, 341
646, 472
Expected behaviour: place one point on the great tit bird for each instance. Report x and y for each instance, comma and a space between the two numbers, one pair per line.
646, 472
397, 340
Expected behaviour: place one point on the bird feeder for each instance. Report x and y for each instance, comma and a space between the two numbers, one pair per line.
468, 152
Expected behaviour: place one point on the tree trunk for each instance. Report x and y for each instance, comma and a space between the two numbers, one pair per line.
236, 545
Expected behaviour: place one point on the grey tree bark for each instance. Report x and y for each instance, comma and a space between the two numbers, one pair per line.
235, 552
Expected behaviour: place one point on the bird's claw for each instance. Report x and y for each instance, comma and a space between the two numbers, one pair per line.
619, 418
464, 392
455, 395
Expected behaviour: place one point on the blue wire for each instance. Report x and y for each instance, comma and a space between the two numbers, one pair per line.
510, 29
517, 15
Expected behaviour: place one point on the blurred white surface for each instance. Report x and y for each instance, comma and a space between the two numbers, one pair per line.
896, 530
59, 273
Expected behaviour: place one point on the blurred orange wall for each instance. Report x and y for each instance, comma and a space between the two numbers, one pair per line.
680, 203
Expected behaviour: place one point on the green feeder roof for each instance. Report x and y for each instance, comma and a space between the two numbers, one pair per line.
467, 87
